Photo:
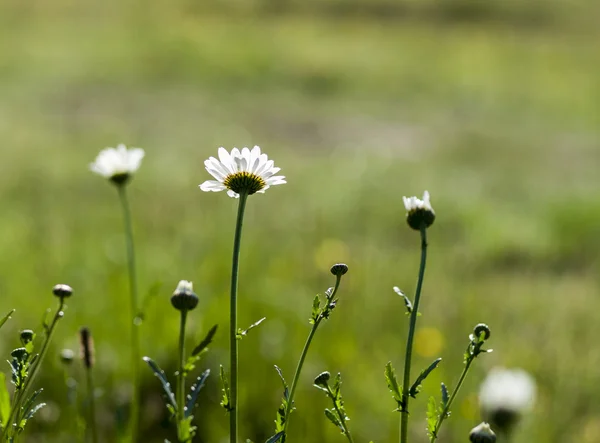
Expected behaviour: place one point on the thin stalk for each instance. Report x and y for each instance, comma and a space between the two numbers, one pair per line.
133, 299
444, 413
233, 341
92, 419
342, 421
411, 334
313, 330
180, 378
15, 410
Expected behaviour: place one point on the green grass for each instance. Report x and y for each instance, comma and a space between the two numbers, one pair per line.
498, 122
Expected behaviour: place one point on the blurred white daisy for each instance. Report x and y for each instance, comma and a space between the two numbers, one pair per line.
505, 395
247, 171
118, 164
419, 211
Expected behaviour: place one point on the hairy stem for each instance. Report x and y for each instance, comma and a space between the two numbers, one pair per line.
180, 377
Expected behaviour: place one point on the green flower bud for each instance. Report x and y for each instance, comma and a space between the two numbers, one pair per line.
27, 336
62, 291
482, 433
339, 269
322, 380
184, 298
482, 329
19, 354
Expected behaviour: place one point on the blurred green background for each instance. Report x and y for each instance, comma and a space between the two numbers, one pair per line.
493, 106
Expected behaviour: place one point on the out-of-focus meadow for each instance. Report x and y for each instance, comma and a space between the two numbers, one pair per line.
493, 106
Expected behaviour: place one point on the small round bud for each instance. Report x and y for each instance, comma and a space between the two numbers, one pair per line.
419, 212
62, 291
322, 379
67, 356
482, 329
339, 269
482, 433
184, 298
27, 336
19, 354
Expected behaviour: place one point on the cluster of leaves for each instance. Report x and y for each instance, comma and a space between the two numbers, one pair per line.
323, 312
186, 430
337, 414
398, 390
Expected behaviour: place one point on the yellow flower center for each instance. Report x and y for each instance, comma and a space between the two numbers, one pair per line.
244, 182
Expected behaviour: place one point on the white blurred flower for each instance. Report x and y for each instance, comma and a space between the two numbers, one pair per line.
419, 211
508, 390
247, 171
118, 164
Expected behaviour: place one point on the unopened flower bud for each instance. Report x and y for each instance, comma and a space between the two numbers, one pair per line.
184, 298
62, 291
419, 212
482, 329
339, 269
482, 433
19, 354
87, 347
27, 336
67, 356
322, 379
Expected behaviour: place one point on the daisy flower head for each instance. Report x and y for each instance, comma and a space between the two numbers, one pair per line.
247, 171
118, 164
505, 395
419, 212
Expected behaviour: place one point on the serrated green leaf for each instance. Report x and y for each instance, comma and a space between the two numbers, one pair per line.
185, 430
407, 302
432, 416
280, 417
194, 391
205, 341
225, 402
160, 374
416, 386
445, 396
337, 384
334, 419
4, 400
243, 332
275, 438
28, 405
33, 410
316, 309
6, 318
392, 384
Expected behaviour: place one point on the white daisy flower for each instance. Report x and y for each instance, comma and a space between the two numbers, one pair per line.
118, 164
247, 171
505, 395
419, 211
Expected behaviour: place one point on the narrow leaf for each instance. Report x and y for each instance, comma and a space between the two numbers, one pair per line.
275, 438
392, 383
163, 380
445, 396
6, 317
206, 341
416, 386
194, 391
432, 417
243, 332
316, 309
334, 419
407, 302
225, 402
28, 405
4, 400
33, 410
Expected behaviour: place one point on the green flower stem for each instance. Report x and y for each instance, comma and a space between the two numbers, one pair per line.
92, 419
19, 396
135, 336
411, 334
180, 377
233, 341
444, 413
313, 330
341, 416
